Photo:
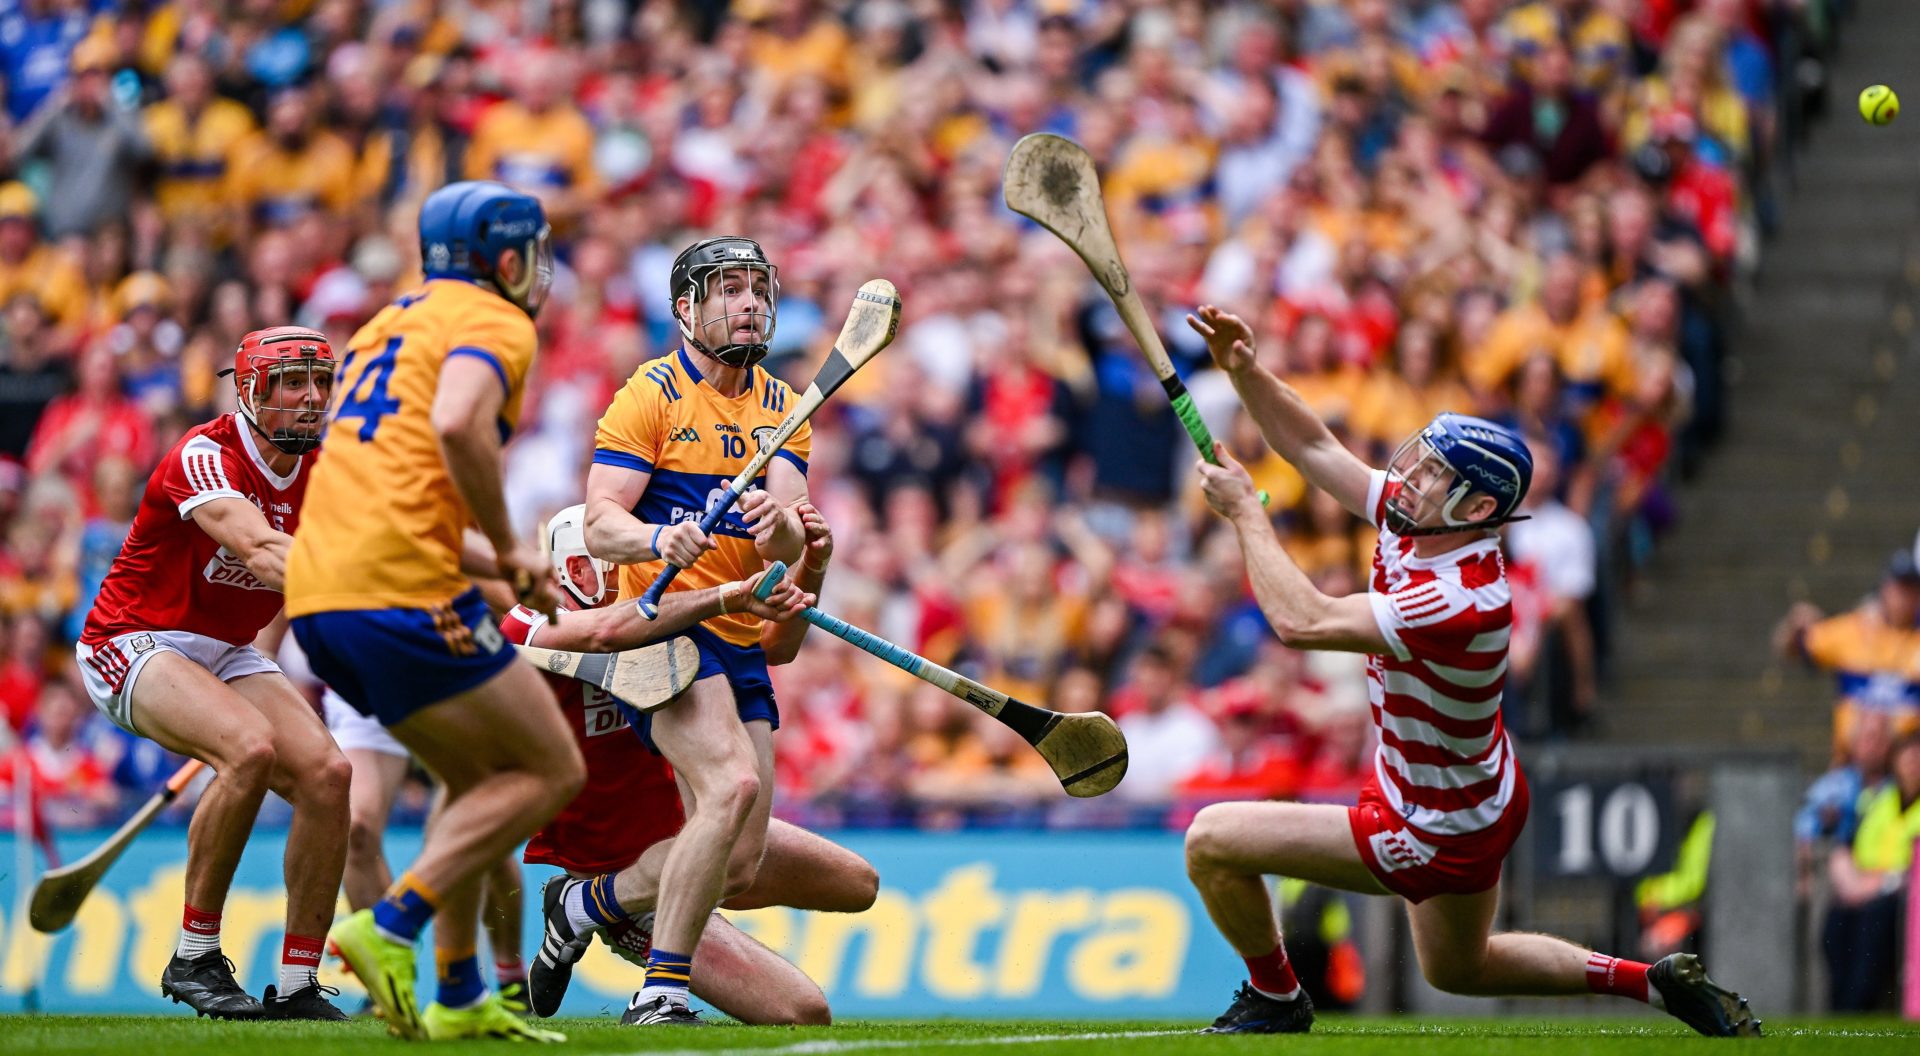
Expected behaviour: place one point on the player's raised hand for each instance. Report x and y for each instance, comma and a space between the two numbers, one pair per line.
1227, 486
531, 574
781, 604
1229, 338
819, 536
773, 526
683, 542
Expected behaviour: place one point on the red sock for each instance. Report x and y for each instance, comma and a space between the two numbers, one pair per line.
1617, 976
299, 961
1271, 974
510, 971
199, 933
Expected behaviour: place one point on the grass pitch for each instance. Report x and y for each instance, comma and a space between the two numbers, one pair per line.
1345, 1036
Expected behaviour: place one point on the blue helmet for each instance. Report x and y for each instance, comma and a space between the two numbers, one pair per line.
466, 226
1463, 456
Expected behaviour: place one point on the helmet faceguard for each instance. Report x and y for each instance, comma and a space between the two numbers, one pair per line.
536, 273
567, 539
466, 227
269, 368
693, 277
1436, 470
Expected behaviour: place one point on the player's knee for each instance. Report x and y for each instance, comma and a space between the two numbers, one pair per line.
569, 777
330, 780
364, 835
734, 793
863, 883
1453, 975
1206, 839
742, 871
809, 1010
251, 760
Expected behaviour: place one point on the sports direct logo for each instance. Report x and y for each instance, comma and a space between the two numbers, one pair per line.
225, 570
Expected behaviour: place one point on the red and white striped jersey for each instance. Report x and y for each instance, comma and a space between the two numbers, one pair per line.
170, 575
1444, 761
630, 801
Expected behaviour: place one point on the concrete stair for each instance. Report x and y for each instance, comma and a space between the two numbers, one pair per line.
1817, 479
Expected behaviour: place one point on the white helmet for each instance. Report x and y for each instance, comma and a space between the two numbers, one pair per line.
567, 537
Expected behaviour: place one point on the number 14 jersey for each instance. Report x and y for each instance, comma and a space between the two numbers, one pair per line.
383, 521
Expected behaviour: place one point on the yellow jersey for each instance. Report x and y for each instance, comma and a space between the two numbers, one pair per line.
382, 522
536, 153
278, 185
194, 153
666, 421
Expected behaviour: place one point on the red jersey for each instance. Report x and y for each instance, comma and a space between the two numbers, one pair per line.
171, 575
1444, 763
630, 801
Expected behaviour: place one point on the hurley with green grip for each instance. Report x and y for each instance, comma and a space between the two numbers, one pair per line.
1051, 180
1088, 753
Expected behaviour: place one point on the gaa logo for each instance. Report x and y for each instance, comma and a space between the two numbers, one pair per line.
687, 434
557, 663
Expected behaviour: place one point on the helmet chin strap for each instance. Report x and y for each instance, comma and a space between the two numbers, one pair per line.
286, 441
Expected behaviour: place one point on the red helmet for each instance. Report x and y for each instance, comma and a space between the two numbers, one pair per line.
265, 355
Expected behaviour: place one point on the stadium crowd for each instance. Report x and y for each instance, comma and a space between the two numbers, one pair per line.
1532, 210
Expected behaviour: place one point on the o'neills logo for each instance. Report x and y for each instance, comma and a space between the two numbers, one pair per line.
225, 570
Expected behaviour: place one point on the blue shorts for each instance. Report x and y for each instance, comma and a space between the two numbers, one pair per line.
390, 663
745, 669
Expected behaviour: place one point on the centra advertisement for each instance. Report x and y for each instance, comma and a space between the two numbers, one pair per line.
972, 924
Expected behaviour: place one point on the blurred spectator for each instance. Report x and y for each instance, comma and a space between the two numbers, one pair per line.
72, 786
196, 137
1833, 800
93, 145
1552, 673
1154, 712
1868, 874
1547, 116
41, 271
1873, 651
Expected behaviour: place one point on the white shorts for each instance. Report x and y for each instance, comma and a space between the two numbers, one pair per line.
110, 671
352, 730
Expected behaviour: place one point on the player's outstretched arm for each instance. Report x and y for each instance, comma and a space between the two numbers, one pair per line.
1288, 424
240, 527
781, 641
466, 408
621, 626
1303, 617
615, 534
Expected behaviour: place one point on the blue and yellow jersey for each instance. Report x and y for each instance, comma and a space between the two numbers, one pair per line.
194, 154
669, 423
535, 153
1877, 666
382, 523
277, 185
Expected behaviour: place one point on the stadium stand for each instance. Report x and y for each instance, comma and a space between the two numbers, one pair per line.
1539, 211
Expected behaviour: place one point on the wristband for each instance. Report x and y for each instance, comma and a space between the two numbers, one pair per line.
810, 567
727, 592
655, 545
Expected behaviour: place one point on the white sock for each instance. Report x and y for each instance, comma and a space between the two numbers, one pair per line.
197, 943
295, 978
1288, 996
574, 901
674, 994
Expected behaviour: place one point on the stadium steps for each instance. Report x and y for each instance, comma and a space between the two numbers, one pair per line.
1818, 476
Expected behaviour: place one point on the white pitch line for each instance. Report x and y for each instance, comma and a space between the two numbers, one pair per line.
826, 1047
